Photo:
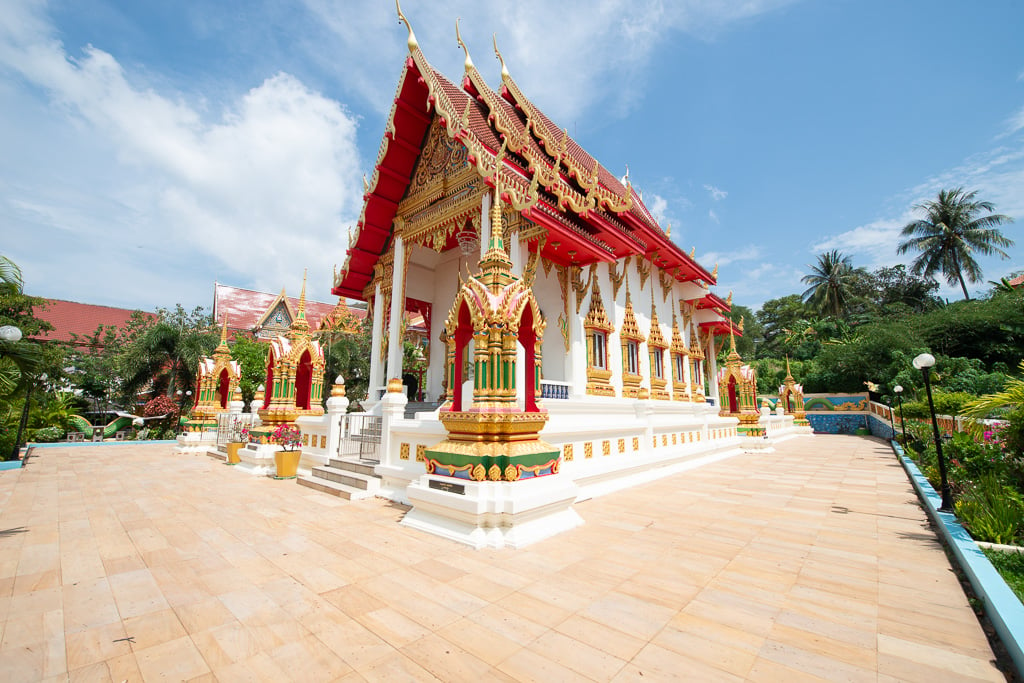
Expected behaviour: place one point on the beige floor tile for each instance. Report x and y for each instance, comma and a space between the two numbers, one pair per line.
173, 660
741, 576
96, 645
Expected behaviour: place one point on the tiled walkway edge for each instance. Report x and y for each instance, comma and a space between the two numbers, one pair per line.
1001, 605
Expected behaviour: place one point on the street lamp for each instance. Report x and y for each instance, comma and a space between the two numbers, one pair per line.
924, 363
10, 333
899, 399
16, 451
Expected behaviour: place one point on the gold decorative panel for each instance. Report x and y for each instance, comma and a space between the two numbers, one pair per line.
403, 452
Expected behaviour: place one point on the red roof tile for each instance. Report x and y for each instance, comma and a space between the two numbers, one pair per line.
81, 319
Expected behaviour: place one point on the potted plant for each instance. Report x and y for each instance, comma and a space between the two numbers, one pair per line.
288, 438
237, 438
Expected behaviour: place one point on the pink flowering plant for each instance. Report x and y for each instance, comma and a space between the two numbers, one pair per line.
239, 431
287, 437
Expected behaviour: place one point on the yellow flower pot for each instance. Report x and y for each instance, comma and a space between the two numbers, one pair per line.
287, 463
233, 449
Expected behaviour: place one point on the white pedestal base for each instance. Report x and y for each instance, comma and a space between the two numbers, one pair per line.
493, 514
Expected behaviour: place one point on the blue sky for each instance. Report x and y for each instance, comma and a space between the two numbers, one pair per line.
150, 148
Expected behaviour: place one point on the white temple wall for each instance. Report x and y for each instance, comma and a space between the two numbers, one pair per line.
549, 298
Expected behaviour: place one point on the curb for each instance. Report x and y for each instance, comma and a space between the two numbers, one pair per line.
1003, 608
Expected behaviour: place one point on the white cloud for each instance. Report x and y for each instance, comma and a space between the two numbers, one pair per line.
658, 206
254, 192
1015, 122
608, 43
751, 252
713, 216
716, 194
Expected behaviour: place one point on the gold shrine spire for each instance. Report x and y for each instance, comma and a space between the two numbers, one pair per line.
495, 266
300, 324
504, 69
789, 375
412, 42
222, 347
458, 36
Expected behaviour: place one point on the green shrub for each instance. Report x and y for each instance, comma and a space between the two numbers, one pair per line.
991, 511
1011, 567
48, 434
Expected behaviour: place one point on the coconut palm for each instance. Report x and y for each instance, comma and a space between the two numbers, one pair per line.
830, 281
10, 276
951, 234
1012, 396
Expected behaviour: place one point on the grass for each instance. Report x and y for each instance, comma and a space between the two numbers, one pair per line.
1011, 567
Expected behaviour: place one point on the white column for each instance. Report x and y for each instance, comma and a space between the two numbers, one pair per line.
713, 367
376, 364
394, 368
485, 226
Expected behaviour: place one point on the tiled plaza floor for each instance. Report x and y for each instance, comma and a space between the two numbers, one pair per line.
129, 563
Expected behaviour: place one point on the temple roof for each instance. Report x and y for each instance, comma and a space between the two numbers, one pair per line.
69, 317
248, 309
590, 216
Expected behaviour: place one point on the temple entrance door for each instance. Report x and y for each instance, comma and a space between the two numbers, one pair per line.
269, 385
222, 388
734, 406
528, 339
463, 334
303, 381
410, 380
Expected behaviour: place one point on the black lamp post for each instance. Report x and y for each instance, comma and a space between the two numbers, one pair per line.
924, 363
899, 399
10, 333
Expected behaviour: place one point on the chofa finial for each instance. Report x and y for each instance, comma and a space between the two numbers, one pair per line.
458, 36
412, 42
504, 70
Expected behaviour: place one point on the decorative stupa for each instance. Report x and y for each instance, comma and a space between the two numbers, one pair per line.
295, 372
493, 439
216, 381
737, 386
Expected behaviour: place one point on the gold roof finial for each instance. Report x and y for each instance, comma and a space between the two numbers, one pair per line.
302, 297
741, 324
733, 353
668, 232
412, 42
504, 70
693, 250
366, 185
728, 300
458, 36
714, 273
222, 347
789, 375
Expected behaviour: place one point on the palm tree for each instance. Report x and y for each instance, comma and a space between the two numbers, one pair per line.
951, 233
10, 276
830, 281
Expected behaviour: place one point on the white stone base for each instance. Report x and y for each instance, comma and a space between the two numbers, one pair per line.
493, 514
195, 442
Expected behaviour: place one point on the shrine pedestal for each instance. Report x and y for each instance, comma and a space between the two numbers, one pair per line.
492, 514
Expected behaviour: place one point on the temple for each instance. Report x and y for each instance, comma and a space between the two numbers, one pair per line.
216, 381
472, 179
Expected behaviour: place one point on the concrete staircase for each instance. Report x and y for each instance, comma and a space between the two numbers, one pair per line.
349, 478
412, 407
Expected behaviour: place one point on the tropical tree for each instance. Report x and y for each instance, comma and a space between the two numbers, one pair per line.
830, 281
168, 352
951, 233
